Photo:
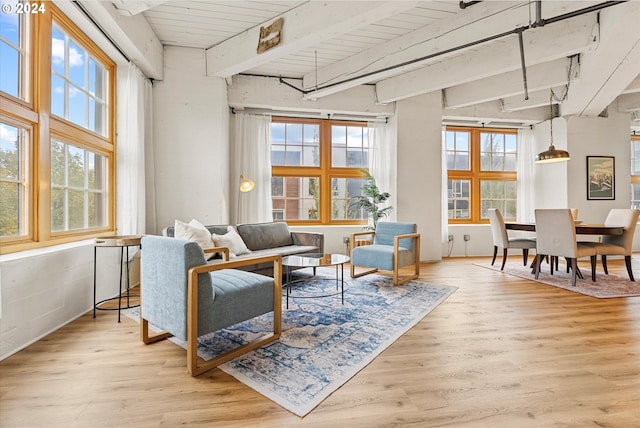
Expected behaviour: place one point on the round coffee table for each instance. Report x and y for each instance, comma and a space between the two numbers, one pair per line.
314, 261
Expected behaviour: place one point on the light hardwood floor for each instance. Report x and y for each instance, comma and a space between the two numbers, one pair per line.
500, 352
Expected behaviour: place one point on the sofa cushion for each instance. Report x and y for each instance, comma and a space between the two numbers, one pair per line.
231, 240
260, 236
217, 229
194, 231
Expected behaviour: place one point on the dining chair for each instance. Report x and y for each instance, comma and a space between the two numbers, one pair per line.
502, 240
574, 213
618, 245
556, 237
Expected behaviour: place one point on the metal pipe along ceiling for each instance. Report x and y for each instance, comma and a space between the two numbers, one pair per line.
538, 23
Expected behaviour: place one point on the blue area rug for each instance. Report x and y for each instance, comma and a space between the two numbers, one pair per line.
324, 343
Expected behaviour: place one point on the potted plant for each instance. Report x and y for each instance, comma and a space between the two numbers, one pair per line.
371, 201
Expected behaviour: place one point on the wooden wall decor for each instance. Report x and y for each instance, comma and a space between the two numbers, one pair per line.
270, 36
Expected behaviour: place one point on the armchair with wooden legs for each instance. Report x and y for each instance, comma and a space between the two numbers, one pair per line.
188, 298
391, 247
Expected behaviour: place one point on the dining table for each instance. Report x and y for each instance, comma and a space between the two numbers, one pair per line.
581, 228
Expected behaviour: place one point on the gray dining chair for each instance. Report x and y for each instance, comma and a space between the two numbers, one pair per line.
556, 237
501, 239
618, 245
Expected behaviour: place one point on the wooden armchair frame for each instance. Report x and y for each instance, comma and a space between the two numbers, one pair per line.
195, 364
396, 246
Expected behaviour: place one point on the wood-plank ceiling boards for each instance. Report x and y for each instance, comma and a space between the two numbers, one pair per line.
306, 25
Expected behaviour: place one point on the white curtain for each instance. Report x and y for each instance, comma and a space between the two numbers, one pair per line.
252, 160
383, 165
525, 168
134, 134
445, 190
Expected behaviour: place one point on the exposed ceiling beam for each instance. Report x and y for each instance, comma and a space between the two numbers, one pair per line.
611, 67
510, 84
540, 45
132, 34
268, 93
633, 86
134, 7
536, 99
483, 21
629, 102
489, 114
310, 24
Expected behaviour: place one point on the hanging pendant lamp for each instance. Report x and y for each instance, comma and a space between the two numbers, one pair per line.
553, 154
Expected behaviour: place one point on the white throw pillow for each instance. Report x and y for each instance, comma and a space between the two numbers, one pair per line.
231, 240
194, 231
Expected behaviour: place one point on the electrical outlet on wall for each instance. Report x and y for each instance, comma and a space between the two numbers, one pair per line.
467, 238
450, 238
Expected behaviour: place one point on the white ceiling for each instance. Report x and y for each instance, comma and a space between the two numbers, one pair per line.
406, 48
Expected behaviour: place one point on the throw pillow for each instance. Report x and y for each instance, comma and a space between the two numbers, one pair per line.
194, 231
231, 240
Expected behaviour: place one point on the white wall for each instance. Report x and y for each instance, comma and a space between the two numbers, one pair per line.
598, 137
44, 289
551, 178
191, 147
420, 169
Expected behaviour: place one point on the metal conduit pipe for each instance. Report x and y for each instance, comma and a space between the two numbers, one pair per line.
539, 23
466, 4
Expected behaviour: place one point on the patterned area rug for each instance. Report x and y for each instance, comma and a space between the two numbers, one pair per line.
323, 343
606, 286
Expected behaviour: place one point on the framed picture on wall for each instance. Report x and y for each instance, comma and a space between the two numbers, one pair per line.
601, 178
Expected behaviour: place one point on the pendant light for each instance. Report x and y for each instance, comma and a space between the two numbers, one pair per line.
553, 154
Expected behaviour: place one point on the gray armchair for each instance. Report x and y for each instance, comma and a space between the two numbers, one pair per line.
393, 246
188, 298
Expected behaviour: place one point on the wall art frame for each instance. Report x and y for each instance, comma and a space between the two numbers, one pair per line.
601, 174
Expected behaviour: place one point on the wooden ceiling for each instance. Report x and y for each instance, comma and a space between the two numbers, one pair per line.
406, 48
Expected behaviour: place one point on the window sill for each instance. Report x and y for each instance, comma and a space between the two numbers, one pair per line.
20, 255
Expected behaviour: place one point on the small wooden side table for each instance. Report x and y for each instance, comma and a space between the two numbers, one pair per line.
122, 242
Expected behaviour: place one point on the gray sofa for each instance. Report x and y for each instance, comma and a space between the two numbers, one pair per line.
267, 239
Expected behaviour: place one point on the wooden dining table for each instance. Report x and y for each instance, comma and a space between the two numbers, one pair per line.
581, 228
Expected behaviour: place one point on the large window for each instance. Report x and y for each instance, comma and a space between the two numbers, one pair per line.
481, 165
316, 170
635, 171
56, 131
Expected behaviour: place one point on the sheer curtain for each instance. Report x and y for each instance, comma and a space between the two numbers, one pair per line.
445, 190
252, 160
134, 136
525, 183
383, 165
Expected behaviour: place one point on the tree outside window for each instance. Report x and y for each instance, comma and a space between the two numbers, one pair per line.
481, 169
